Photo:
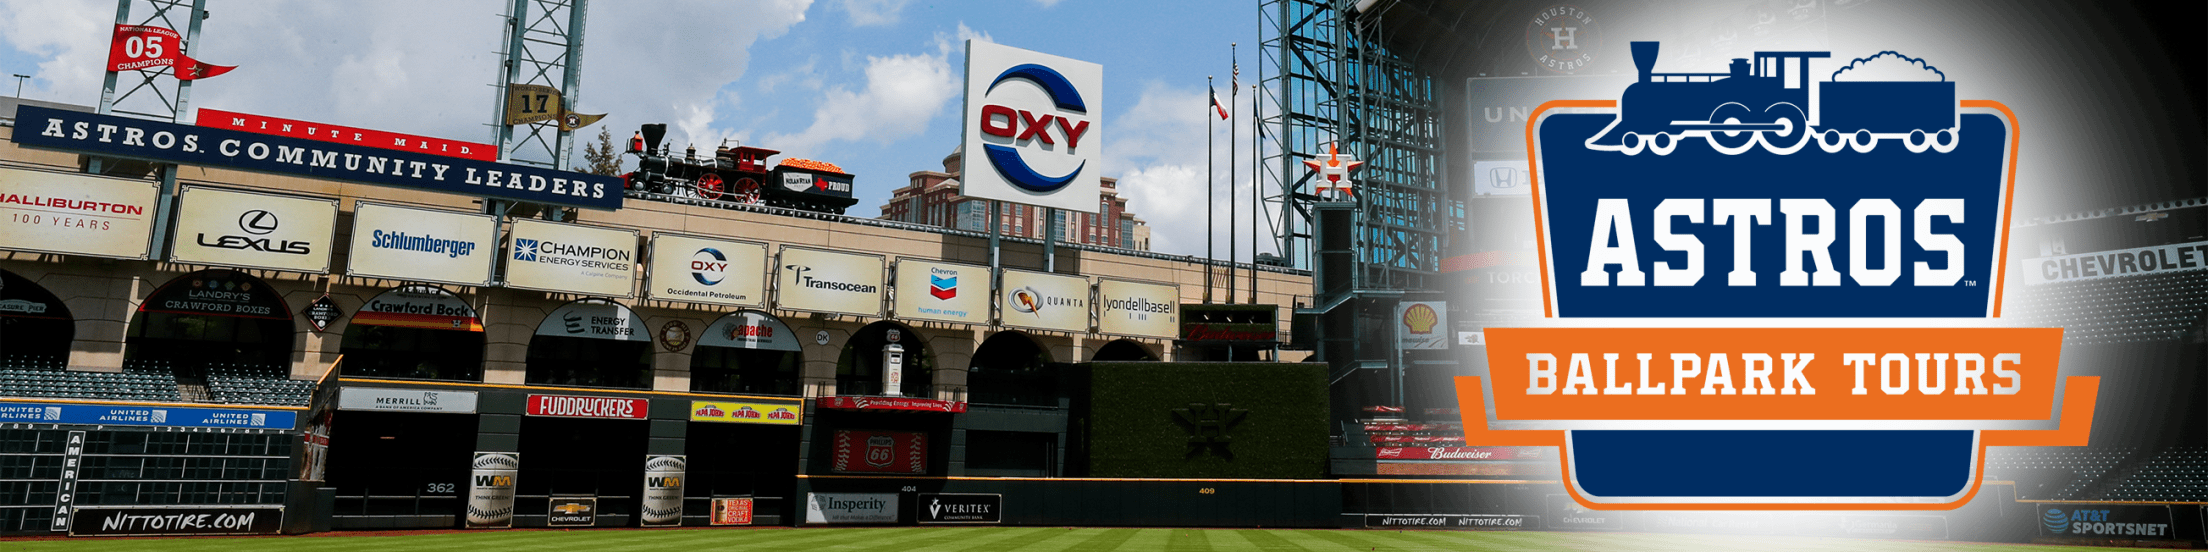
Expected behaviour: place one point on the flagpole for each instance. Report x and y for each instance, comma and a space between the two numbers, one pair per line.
1234, 102
1257, 196
1210, 188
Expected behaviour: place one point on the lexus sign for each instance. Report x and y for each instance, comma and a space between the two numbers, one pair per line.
1034, 127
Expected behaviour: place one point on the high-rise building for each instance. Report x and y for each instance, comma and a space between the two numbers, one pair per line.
933, 198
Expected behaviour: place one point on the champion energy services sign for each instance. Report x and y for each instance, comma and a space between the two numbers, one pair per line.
76, 214
40, 127
821, 281
1033, 127
422, 245
572, 259
250, 230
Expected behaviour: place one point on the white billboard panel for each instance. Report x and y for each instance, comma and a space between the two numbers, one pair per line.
715, 272
567, 258
253, 230
821, 281
422, 245
1045, 301
1137, 308
77, 214
949, 292
1034, 126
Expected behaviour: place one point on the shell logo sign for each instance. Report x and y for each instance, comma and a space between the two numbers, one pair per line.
1417, 322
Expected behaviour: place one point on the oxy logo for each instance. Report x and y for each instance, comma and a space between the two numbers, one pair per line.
708, 266
1030, 131
1774, 306
257, 222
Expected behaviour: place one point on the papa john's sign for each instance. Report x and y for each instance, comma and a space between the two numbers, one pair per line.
1033, 127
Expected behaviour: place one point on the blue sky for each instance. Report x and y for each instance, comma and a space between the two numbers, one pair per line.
872, 85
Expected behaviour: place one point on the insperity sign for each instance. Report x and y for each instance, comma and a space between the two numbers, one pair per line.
40, 127
1778, 281
1033, 127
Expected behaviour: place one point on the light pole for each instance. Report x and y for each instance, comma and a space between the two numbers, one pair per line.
19, 84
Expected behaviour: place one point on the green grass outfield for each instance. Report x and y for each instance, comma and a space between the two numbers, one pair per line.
1037, 539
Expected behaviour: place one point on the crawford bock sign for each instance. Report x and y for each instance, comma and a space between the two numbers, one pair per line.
76, 214
714, 272
422, 245
608, 408
250, 230
569, 258
1033, 127
820, 281
40, 127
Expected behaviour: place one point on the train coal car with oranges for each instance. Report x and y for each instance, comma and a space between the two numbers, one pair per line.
735, 175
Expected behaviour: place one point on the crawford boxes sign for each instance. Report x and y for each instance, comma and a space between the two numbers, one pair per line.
406, 400
147, 416
40, 127
1139, 309
947, 292
608, 408
76, 214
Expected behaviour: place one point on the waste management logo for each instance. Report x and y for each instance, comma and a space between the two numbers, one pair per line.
1780, 282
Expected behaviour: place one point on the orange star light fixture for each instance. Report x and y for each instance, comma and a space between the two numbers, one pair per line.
1333, 172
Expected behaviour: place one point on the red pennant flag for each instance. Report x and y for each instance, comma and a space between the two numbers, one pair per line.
143, 48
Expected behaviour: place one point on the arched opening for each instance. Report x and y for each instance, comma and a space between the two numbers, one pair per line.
212, 320
859, 369
35, 327
1123, 350
591, 343
415, 332
747, 352
1010, 368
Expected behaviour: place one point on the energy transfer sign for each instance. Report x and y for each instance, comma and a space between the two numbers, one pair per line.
1778, 281
1033, 127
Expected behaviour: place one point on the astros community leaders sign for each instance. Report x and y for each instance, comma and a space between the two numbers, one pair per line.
41, 127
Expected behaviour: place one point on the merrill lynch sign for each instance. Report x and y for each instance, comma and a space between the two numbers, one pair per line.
406, 400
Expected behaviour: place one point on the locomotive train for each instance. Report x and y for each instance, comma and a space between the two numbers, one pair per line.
1762, 102
736, 175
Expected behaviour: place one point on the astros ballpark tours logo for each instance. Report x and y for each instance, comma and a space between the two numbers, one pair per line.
1798, 327
1034, 118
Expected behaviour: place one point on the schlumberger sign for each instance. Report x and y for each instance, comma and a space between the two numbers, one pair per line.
1032, 128
110, 135
1781, 283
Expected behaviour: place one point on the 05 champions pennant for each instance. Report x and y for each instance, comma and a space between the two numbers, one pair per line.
1775, 289
143, 48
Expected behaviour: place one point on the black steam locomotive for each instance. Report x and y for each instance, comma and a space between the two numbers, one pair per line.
736, 175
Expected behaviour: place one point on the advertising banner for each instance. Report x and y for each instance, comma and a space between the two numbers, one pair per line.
406, 400
960, 508
568, 258
156, 521
749, 412
820, 281
595, 319
750, 329
220, 147
1138, 308
1033, 127
254, 230
1500, 106
420, 307
422, 245
2120, 521
948, 292
146, 416
77, 214
1483, 522
904, 452
850, 507
906, 404
1501, 178
65, 487
662, 505
1563, 513
217, 293
569, 511
605, 408
2160, 259
731, 511
1461, 453
324, 132
1422, 325
491, 490
713, 272
1045, 301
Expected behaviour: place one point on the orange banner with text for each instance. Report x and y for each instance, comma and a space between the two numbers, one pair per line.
1774, 373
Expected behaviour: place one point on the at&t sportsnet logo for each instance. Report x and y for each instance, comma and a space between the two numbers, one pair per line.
1034, 119
1776, 310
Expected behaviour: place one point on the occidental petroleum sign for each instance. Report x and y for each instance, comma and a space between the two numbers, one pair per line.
1781, 282
1034, 121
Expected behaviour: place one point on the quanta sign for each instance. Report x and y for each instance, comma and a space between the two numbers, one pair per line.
1034, 120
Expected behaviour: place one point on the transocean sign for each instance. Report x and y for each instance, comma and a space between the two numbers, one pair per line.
41, 127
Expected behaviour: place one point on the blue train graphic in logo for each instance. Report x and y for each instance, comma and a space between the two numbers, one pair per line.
1770, 100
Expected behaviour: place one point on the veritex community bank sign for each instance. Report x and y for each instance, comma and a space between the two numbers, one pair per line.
40, 127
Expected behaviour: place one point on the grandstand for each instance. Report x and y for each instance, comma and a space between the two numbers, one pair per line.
41, 377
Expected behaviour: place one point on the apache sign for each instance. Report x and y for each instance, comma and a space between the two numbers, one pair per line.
1035, 123
110, 135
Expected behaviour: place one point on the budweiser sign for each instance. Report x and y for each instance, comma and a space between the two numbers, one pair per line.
892, 403
1228, 332
1459, 453
611, 408
259, 124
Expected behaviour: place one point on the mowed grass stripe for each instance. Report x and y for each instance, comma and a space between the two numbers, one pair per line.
1108, 539
1186, 540
1146, 540
1019, 539
1266, 540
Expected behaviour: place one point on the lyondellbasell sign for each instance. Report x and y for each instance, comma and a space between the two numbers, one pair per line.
109, 135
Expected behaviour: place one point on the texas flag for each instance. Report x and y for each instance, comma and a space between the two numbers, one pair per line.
1216, 106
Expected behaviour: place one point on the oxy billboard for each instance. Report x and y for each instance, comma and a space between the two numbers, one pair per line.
568, 258
708, 271
822, 281
1138, 308
1033, 127
422, 245
947, 292
1044, 301
76, 214
253, 230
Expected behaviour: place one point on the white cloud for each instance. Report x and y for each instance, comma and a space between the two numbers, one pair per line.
902, 93
867, 13
70, 36
1158, 147
1048, 3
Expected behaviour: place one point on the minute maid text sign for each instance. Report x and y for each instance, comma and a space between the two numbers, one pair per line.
1779, 282
41, 127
